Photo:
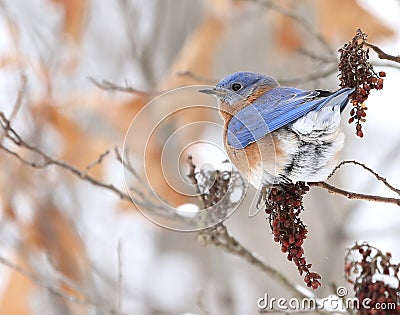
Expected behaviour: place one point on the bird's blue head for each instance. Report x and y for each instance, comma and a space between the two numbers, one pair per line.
237, 88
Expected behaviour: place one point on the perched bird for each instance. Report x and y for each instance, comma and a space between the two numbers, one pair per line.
278, 135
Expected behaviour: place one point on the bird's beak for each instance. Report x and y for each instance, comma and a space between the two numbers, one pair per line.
213, 91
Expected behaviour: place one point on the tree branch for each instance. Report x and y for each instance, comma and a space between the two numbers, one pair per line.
353, 195
220, 237
310, 77
97, 162
18, 101
297, 80
110, 86
84, 301
195, 77
382, 54
13, 136
377, 176
299, 19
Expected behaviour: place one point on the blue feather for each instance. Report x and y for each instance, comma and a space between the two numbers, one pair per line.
245, 78
276, 108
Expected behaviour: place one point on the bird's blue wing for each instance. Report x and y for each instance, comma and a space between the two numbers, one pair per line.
277, 108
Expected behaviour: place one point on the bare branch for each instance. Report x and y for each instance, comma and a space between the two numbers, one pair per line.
312, 76
47, 160
149, 192
20, 97
85, 301
386, 65
110, 86
378, 177
126, 163
12, 135
97, 162
312, 55
18, 101
302, 79
220, 237
40, 282
382, 54
353, 195
195, 77
299, 19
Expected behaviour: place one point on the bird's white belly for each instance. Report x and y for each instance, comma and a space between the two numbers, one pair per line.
313, 148
306, 161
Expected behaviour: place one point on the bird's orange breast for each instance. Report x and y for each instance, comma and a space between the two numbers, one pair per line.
264, 155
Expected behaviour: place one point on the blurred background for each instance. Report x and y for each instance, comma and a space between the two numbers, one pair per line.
101, 253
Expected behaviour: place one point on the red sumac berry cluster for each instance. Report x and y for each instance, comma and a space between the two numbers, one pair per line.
355, 71
365, 266
283, 206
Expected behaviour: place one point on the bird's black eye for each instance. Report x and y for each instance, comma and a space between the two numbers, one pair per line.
236, 86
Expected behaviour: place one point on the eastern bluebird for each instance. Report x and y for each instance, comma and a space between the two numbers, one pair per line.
277, 135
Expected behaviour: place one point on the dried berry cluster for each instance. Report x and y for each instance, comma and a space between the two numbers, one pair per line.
215, 188
365, 265
355, 71
212, 185
284, 205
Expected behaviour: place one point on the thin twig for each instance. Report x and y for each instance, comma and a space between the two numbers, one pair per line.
382, 54
12, 135
128, 16
377, 176
47, 160
385, 65
63, 279
97, 162
40, 282
299, 19
301, 79
125, 161
195, 77
127, 164
311, 77
312, 55
18, 102
353, 195
110, 86
85, 301
220, 237
20, 96
80, 174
